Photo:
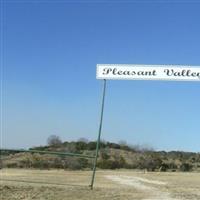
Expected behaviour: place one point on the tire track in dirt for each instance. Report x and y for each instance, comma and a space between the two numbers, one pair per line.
143, 184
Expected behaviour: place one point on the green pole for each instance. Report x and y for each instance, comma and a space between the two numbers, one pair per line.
99, 136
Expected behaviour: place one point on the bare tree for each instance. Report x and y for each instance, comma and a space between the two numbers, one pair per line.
122, 143
54, 140
82, 139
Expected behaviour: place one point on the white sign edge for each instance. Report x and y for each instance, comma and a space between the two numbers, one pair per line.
145, 65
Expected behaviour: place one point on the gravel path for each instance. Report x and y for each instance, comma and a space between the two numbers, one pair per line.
142, 184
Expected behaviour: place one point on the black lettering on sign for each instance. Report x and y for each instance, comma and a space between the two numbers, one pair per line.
120, 72
115, 71
169, 72
177, 73
133, 73
126, 73
107, 71
154, 73
140, 73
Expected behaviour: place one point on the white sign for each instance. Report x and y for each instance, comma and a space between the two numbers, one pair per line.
148, 72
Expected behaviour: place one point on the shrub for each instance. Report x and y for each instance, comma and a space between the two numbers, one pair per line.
12, 165
108, 164
81, 146
83, 163
72, 163
164, 167
185, 167
1, 163
104, 156
91, 145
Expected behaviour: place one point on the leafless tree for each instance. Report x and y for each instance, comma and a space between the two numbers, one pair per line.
54, 140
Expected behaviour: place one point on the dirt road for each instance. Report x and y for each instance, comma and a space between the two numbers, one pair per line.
144, 185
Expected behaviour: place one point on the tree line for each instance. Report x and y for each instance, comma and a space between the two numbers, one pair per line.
111, 156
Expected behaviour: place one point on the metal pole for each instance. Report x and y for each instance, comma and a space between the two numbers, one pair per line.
99, 136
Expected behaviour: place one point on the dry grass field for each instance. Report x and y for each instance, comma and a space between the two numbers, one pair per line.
20, 184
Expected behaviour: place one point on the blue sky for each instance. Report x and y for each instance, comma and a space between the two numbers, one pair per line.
50, 52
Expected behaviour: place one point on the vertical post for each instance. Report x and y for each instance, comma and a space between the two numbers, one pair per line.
99, 135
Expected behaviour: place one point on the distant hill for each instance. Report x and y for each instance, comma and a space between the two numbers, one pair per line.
111, 156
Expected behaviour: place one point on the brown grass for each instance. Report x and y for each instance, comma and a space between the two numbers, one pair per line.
20, 184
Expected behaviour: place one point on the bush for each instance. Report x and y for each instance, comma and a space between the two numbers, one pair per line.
72, 163
185, 167
164, 167
12, 165
173, 166
83, 163
112, 164
113, 145
1, 163
81, 146
122, 162
91, 145
57, 163
108, 164
149, 163
104, 156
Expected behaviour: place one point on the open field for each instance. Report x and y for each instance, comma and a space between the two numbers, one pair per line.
18, 184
